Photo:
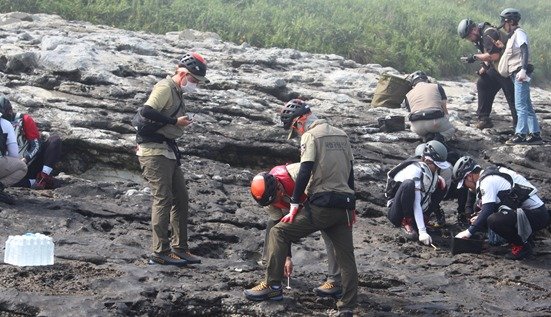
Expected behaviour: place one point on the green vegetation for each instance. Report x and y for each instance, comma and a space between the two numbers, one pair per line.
404, 34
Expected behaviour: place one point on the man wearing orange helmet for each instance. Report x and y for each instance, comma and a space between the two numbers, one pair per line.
274, 190
327, 176
159, 159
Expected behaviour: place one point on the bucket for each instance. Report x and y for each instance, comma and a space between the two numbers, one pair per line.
466, 246
30, 249
390, 91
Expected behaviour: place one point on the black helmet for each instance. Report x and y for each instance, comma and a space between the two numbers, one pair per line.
464, 165
436, 151
510, 14
418, 76
465, 27
196, 65
6, 110
293, 109
264, 188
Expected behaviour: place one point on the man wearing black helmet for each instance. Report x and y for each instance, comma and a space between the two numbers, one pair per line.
326, 175
426, 103
274, 190
490, 43
515, 64
159, 159
511, 206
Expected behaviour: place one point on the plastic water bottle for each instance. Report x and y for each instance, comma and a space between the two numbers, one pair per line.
29, 250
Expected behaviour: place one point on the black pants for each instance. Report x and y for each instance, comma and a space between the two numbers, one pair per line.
487, 86
503, 223
403, 203
49, 155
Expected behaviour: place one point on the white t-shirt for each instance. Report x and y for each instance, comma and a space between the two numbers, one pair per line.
410, 172
493, 184
11, 141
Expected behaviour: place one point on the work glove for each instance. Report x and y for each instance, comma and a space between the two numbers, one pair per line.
288, 267
464, 234
424, 237
293, 211
521, 75
469, 59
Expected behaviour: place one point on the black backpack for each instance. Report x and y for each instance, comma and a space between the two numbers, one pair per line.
512, 198
391, 185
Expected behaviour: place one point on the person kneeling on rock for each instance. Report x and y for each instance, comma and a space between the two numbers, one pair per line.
511, 206
410, 186
12, 169
40, 157
274, 190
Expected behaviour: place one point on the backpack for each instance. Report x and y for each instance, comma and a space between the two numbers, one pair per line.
512, 198
3, 142
146, 128
391, 186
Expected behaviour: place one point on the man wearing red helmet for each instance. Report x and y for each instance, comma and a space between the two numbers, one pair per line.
274, 190
159, 159
327, 176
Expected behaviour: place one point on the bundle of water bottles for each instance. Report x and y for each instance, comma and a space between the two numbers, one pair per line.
29, 249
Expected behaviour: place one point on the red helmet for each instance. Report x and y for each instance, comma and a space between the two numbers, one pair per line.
196, 65
264, 188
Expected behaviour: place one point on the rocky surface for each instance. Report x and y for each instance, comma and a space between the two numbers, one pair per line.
84, 82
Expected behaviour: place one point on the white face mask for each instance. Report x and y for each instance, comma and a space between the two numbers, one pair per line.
189, 87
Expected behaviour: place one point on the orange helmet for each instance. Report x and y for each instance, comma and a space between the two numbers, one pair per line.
264, 188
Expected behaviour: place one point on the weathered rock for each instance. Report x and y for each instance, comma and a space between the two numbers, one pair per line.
85, 82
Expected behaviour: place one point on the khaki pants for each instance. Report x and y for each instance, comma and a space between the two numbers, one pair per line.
12, 170
440, 125
334, 222
170, 202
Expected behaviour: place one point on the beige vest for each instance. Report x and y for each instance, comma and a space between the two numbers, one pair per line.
329, 149
511, 60
424, 96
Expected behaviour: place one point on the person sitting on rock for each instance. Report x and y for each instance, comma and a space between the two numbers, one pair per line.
426, 103
511, 206
274, 190
410, 186
40, 157
12, 169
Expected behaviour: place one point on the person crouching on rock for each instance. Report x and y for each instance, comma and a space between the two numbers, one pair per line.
326, 173
426, 103
40, 157
274, 190
511, 206
12, 169
410, 186
159, 159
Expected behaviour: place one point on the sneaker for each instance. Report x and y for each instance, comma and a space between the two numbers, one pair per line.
485, 123
169, 258
519, 252
534, 139
517, 139
263, 292
408, 230
186, 255
328, 289
43, 181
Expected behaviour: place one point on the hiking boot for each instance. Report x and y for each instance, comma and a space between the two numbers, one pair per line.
516, 139
534, 139
186, 255
484, 124
408, 230
169, 258
328, 289
519, 252
263, 292
43, 181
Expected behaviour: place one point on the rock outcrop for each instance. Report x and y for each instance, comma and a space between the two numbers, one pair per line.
84, 82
